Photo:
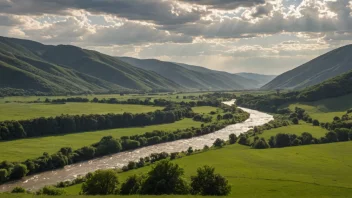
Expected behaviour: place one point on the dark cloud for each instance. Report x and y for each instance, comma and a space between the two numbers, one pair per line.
156, 11
6, 20
226, 4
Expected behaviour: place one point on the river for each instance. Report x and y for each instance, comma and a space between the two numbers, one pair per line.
70, 172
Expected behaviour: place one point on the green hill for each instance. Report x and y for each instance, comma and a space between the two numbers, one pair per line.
259, 78
194, 77
30, 66
315, 71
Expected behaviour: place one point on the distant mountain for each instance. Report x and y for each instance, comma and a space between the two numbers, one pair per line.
28, 65
259, 78
194, 77
327, 66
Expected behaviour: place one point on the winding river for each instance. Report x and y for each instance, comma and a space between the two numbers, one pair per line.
118, 160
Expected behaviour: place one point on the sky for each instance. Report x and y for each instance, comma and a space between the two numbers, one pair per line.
259, 36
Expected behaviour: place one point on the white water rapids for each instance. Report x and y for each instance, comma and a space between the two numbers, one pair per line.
118, 160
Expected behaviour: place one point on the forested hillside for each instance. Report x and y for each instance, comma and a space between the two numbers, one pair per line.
315, 71
195, 77
28, 67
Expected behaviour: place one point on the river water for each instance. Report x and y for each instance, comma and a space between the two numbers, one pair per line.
118, 160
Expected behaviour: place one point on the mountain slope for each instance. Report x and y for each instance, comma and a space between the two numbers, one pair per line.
62, 69
259, 78
315, 71
193, 77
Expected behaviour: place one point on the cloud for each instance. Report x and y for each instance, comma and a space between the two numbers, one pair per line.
225, 4
156, 11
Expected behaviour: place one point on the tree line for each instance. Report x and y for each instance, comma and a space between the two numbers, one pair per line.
10, 130
107, 145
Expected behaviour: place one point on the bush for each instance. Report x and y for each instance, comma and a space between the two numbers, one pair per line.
19, 171
165, 178
316, 123
260, 144
3, 175
232, 138
243, 140
295, 121
306, 138
101, 182
48, 190
342, 134
331, 137
206, 182
132, 185
282, 140
219, 143
18, 190
296, 142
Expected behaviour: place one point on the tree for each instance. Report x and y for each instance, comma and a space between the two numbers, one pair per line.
101, 182
295, 121
331, 136
342, 134
260, 144
316, 123
306, 138
132, 185
243, 140
190, 150
165, 178
219, 142
232, 138
282, 140
19, 171
206, 182
49, 190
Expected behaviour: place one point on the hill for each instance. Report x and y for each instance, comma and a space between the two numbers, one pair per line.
327, 66
27, 66
259, 78
194, 77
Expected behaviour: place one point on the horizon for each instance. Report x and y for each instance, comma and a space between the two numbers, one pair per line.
253, 36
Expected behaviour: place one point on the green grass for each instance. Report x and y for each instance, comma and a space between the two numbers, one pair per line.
326, 110
20, 111
303, 171
316, 131
22, 149
205, 109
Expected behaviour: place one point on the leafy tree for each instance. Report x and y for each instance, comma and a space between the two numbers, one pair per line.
260, 144
219, 142
295, 121
316, 123
282, 140
101, 182
132, 185
296, 142
19, 171
206, 182
190, 150
306, 138
331, 136
243, 140
342, 134
165, 178
232, 138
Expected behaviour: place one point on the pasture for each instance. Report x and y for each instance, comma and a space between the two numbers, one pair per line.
325, 110
21, 111
303, 171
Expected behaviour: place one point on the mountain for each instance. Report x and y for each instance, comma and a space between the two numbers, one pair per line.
259, 78
327, 66
194, 77
32, 66
338, 86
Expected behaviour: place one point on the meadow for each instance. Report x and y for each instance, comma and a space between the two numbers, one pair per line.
298, 129
21, 111
303, 171
22, 149
325, 110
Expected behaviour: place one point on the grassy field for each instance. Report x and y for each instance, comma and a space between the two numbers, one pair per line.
303, 171
326, 110
204, 109
316, 131
20, 111
22, 149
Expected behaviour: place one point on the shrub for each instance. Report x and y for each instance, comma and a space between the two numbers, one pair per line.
243, 140
219, 143
316, 123
232, 138
190, 151
282, 140
132, 185
342, 134
295, 121
101, 182
19, 171
260, 144
206, 182
3, 175
18, 190
48, 190
331, 137
296, 142
306, 138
